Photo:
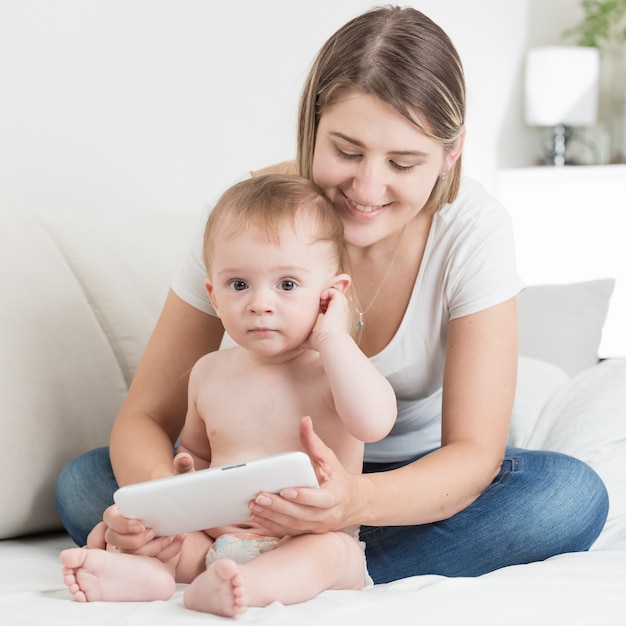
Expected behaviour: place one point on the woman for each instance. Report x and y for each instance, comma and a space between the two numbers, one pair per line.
381, 131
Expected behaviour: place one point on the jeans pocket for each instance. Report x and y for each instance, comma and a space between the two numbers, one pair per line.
512, 463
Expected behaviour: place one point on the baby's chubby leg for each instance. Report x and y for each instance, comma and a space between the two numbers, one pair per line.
99, 575
296, 570
221, 590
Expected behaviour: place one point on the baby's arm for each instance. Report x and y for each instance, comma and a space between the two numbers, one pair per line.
363, 397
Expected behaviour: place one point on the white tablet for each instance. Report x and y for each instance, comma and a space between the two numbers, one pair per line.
212, 497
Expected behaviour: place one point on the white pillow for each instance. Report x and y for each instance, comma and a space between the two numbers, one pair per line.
586, 418
563, 324
537, 381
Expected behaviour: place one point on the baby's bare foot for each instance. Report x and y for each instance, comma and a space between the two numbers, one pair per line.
97, 575
219, 590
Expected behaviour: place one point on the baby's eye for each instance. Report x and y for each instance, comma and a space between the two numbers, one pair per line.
238, 284
287, 284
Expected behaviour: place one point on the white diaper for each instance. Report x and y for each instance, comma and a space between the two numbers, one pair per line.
369, 582
243, 547
240, 547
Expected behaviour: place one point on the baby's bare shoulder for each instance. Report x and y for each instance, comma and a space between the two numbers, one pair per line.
214, 363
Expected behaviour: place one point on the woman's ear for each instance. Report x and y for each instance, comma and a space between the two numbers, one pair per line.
211, 293
452, 157
341, 282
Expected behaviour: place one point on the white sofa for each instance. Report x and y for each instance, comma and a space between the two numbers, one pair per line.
80, 294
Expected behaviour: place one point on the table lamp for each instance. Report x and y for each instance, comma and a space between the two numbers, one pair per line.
561, 92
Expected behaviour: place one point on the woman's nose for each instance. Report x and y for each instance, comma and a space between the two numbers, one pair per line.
369, 183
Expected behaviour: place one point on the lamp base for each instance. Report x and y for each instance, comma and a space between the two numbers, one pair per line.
557, 147
561, 135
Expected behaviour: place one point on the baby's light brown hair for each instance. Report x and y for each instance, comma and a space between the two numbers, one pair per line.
265, 204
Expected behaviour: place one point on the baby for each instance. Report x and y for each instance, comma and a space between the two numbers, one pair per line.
275, 260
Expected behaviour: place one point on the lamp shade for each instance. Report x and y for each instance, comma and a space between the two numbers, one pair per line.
561, 86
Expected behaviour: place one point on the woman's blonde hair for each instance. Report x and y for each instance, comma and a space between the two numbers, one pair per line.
265, 204
403, 58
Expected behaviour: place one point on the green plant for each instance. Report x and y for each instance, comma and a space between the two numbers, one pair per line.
604, 22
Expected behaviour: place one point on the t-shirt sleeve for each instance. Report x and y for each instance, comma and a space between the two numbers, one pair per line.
188, 282
190, 274
483, 268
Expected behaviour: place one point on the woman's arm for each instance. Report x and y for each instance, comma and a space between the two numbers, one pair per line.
194, 439
479, 386
478, 390
153, 413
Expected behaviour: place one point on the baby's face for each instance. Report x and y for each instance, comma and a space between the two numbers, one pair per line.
268, 295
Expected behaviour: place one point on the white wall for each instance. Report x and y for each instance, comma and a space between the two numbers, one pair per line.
160, 104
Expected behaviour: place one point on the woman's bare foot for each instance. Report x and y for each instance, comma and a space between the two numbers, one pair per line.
98, 575
219, 590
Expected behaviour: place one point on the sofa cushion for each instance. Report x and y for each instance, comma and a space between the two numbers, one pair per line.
562, 324
60, 384
80, 294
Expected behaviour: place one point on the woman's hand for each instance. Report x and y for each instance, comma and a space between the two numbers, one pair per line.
120, 534
117, 533
297, 511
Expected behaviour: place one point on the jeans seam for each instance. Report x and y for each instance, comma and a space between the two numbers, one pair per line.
510, 465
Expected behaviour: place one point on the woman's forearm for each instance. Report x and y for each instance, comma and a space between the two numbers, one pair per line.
140, 450
154, 411
431, 489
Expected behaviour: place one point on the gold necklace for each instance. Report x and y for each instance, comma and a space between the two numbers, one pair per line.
361, 314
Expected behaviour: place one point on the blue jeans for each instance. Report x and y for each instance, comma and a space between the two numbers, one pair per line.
540, 504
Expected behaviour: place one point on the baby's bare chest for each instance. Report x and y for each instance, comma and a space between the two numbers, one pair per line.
262, 416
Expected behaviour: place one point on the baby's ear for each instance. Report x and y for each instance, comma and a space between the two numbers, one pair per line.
341, 282
209, 289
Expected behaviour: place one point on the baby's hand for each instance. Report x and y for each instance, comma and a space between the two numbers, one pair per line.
120, 534
116, 533
333, 318
170, 547
183, 463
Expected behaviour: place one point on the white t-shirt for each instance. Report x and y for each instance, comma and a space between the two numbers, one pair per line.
468, 265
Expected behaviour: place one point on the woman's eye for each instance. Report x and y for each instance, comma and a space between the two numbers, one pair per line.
346, 155
287, 285
401, 168
238, 285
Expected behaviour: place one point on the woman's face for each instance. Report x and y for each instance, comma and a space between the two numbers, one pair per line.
377, 167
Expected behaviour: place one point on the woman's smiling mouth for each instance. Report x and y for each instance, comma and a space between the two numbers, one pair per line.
363, 209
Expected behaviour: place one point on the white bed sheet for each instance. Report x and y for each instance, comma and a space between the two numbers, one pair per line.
586, 589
